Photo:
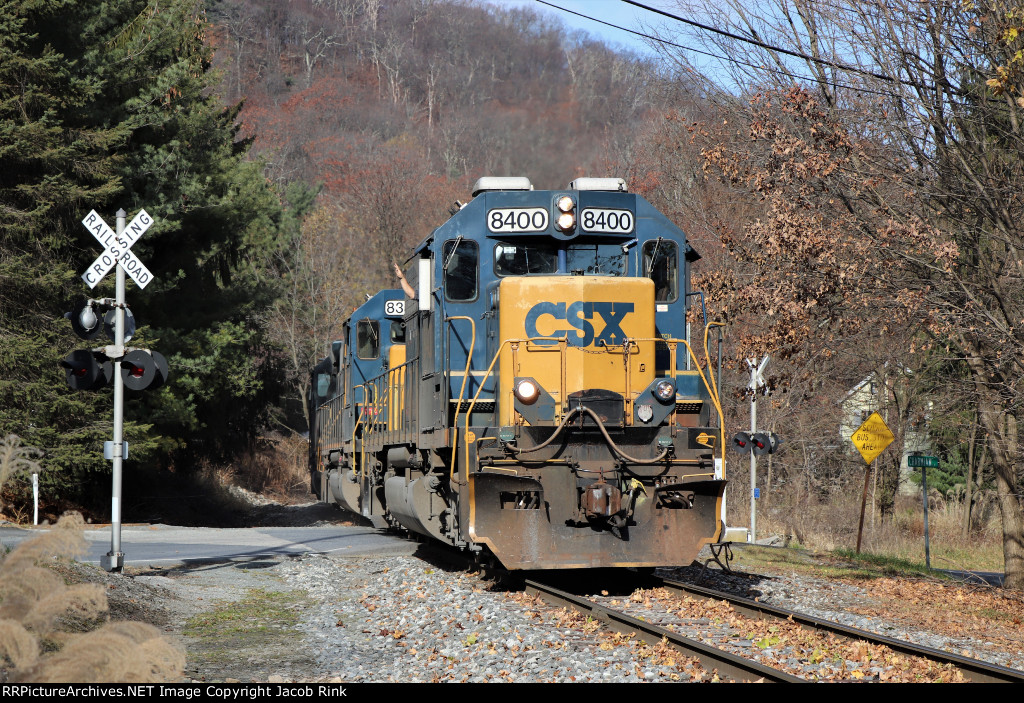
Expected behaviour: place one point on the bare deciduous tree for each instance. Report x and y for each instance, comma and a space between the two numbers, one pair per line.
884, 140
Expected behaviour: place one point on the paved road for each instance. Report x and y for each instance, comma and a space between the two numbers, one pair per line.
991, 578
161, 545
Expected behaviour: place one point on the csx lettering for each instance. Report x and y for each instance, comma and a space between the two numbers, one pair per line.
579, 315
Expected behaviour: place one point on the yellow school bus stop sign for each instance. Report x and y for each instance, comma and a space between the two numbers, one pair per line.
872, 437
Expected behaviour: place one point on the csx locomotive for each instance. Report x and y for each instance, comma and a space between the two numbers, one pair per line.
537, 400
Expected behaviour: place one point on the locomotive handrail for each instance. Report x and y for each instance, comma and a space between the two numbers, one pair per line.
469, 411
714, 388
469, 361
707, 354
327, 435
396, 400
712, 392
465, 377
709, 384
355, 426
383, 397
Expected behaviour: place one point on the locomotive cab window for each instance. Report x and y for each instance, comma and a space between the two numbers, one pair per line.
523, 259
367, 339
323, 385
599, 259
461, 258
397, 332
661, 265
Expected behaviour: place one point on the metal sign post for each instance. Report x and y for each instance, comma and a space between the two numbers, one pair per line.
117, 254
924, 463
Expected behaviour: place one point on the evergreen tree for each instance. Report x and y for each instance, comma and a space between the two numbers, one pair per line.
108, 105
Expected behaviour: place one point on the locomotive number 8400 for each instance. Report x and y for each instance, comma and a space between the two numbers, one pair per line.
538, 400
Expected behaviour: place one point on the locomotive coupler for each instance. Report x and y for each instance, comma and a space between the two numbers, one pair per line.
601, 500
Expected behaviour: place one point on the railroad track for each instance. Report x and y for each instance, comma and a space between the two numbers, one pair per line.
973, 670
728, 665
739, 668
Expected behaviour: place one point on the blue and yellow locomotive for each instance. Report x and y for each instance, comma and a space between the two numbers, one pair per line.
537, 399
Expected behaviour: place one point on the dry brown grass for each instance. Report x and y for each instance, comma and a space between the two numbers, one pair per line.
277, 466
51, 632
125, 652
831, 523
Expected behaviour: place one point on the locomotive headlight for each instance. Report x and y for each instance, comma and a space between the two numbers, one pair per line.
527, 391
665, 391
565, 204
566, 221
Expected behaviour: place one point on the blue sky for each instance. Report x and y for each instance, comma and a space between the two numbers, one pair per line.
611, 11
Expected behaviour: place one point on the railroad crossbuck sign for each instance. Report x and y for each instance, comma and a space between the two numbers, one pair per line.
872, 437
117, 251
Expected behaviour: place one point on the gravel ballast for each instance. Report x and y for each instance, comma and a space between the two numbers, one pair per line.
405, 620
397, 618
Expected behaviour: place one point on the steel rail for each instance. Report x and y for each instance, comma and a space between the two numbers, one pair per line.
727, 664
974, 670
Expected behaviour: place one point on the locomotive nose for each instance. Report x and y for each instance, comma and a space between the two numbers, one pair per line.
574, 334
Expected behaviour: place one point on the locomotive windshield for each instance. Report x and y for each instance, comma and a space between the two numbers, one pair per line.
522, 259
600, 258
397, 332
323, 385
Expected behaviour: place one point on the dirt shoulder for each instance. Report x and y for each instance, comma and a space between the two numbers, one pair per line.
236, 620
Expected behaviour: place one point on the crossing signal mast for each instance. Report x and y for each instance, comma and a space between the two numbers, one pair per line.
755, 443
125, 367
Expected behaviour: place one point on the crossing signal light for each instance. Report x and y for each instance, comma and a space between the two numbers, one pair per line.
110, 322
143, 369
765, 443
741, 442
760, 443
87, 370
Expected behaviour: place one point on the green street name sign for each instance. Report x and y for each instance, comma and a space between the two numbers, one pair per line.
928, 462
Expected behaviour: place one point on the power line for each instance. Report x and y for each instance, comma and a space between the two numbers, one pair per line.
758, 67
770, 47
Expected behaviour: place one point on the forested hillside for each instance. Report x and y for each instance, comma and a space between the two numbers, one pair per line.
389, 112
